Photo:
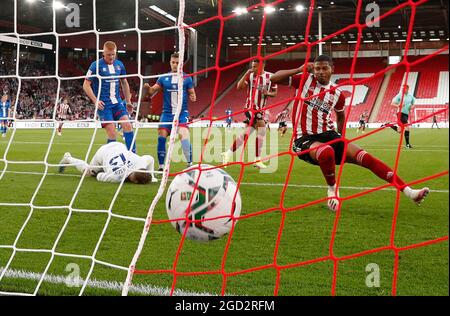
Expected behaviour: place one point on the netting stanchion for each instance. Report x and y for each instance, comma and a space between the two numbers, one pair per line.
148, 221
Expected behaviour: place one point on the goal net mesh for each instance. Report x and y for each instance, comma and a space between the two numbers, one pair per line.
273, 269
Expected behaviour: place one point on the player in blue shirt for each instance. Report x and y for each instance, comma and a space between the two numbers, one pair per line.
111, 107
5, 106
229, 119
168, 84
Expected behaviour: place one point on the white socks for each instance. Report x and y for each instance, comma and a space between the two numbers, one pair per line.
408, 192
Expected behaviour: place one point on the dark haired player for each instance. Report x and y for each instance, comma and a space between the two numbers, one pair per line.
316, 129
259, 88
168, 84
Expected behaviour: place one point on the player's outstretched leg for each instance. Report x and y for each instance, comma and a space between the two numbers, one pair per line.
128, 133
128, 136
60, 128
324, 156
161, 148
326, 159
81, 165
408, 144
186, 145
261, 134
361, 157
161, 152
227, 155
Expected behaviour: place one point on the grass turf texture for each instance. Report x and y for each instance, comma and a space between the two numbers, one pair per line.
365, 223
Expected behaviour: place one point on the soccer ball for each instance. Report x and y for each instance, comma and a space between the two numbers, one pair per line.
213, 198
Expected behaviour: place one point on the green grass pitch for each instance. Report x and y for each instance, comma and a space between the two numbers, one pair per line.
365, 223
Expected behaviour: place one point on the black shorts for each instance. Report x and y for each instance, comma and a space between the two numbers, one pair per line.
362, 123
404, 118
259, 116
304, 143
282, 124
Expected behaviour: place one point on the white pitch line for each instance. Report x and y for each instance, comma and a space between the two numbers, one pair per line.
143, 289
325, 187
245, 183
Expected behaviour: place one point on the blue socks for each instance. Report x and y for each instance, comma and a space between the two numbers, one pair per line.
185, 145
129, 139
161, 150
187, 149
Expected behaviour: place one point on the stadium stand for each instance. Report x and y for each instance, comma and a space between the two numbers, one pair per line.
206, 86
365, 93
428, 82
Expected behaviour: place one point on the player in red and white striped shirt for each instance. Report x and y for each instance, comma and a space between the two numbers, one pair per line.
62, 110
259, 89
318, 97
282, 118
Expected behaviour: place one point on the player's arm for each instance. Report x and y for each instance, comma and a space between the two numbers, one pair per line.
127, 93
272, 93
339, 109
192, 95
396, 101
126, 90
108, 177
282, 76
151, 90
340, 121
190, 89
87, 87
413, 103
242, 83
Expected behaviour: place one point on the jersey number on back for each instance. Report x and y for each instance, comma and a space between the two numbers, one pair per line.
114, 162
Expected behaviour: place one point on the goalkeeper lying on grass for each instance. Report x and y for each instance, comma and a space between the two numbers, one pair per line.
112, 162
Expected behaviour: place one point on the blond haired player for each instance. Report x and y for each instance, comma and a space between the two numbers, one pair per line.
111, 107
